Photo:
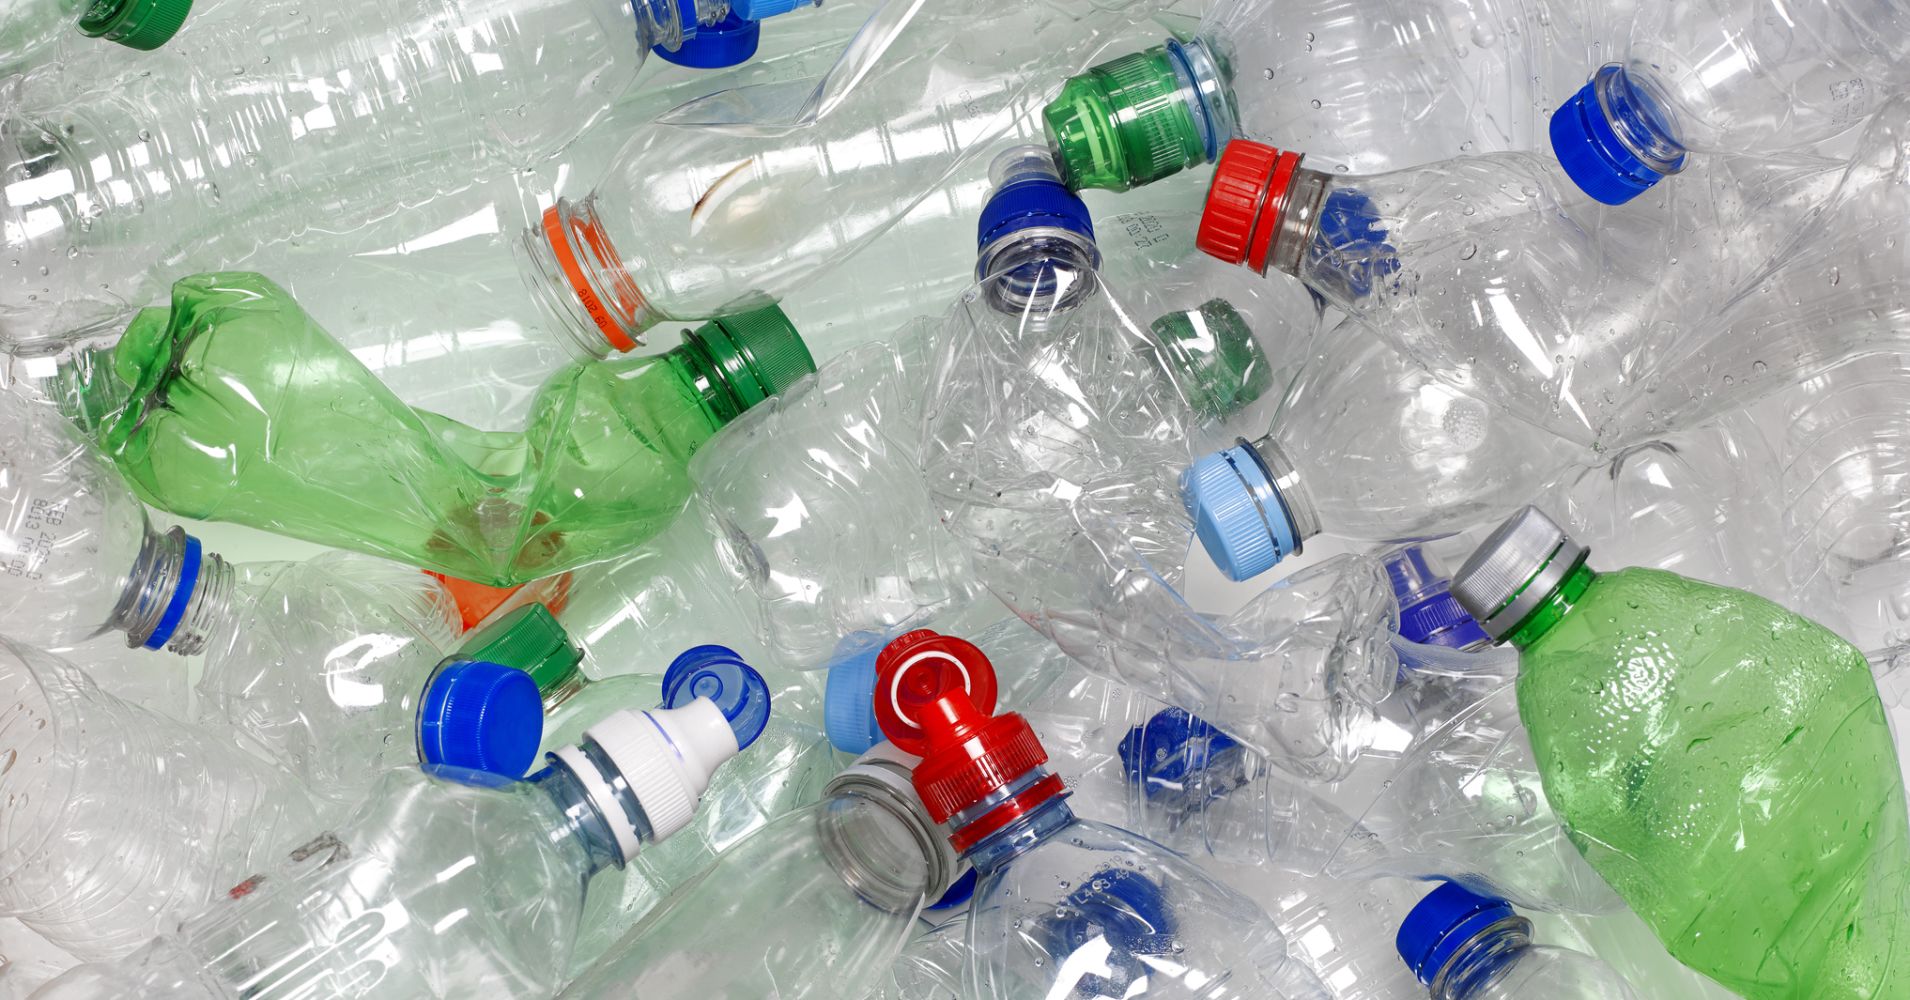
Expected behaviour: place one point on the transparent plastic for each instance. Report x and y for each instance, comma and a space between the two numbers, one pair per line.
121, 821
27, 29
1345, 927
1500, 962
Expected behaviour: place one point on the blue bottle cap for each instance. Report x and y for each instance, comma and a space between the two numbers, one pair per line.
1225, 494
1585, 138
1441, 924
848, 701
1029, 200
1351, 225
960, 891
1428, 613
481, 716
729, 42
1127, 910
756, 10
719, 674
1163, 752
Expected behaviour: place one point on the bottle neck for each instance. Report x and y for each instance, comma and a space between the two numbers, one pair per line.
1483, 960
1555, 607
1297, 210
177, 595
1038, 270
576, 819
1023, 834
721, 378
580, 283
1285, 496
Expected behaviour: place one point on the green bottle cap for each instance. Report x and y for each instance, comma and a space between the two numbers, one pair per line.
529, 639
757, 354
1214, 348
1125, 123
136, 24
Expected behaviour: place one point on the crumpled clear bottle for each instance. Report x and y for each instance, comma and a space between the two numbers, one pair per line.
119, 820
383, 905
28, 28
1062, 905
850, 873
1464, 946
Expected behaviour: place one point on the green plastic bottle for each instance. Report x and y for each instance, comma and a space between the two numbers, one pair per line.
1722, 762
233, 405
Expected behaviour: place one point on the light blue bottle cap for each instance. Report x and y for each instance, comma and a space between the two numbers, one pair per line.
481, 716
1585, 138
756, 10
719, 674
1227, 494
1441, 924
729, 42
848, 700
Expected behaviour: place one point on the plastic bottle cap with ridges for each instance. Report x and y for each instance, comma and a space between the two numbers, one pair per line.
1245, 200
482, 716
1514, 570
1124, 123
1215, 349
664, 756
848, 701
136, 24
729, 42
1441, 923
529, 639
719, 674
1586, 141
759, 352
1221, 491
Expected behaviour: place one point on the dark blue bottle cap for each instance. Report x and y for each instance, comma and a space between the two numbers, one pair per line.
481, 716
1441, 924
1350, 225
960, 891
1428, 613
1585, 138
1029, 201
848, 700
1166, 750
719, 674
729, 42
1129, 912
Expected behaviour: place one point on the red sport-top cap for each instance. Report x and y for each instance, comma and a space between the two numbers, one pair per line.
933, 697
1245, 201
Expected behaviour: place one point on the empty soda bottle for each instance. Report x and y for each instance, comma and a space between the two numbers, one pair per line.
1063, 906
232, 406
426, 849
1464, 946
1722, 762
121, 821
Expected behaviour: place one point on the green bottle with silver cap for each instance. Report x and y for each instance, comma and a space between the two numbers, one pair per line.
233, 405
1724, 763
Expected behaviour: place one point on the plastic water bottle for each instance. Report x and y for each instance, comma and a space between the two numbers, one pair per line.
1062, 904
1532, 312
850, 873
26, 29
381, 906
1458, 78
120, 820
1741, 794
1464, 946
1367, 445
599, 469
759, 189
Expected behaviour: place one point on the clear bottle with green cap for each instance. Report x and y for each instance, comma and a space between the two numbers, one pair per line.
1363, 86
446, 883
1724, 763
234, 406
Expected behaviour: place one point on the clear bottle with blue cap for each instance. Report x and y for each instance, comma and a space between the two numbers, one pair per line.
446, 883
121, 820
1465, 946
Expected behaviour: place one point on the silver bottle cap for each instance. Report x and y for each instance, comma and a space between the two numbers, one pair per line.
1514, 570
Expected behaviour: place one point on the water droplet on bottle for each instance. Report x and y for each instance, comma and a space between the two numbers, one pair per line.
1469, 251
1316, 104
1267, 73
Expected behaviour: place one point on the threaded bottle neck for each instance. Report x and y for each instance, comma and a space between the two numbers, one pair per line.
177, 595
1554, 607
1483, 960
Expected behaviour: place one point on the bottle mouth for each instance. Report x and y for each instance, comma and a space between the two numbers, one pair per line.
176, 593
578, 278
875, 792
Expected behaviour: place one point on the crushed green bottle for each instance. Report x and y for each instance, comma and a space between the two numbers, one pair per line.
233, 405
1724, 763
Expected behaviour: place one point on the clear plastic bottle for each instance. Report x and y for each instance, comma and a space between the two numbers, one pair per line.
442, 886
1366, 87
849, 873
1366, 445
120, 821
26, 29
1724, 763
1063, 905
1464, 946
758, 189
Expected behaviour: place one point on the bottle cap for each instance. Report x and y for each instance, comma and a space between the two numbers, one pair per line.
757, 353
1127, 122
1028, 195
961, 891
1215, 349
1514, 570
848, 701
1245, 202
528, 638
136, 24
756, 10
1125, 908
664, 757
729, 42
1441, 924
1428, 613
1588, 137
1237, 511
1164, 752
481, 716
719, 674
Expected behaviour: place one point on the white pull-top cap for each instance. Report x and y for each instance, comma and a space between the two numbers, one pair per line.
665, 756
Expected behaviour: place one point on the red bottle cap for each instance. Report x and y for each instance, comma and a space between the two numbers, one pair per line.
933, 697
1245, 201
